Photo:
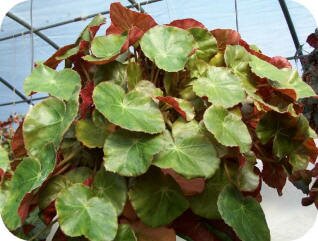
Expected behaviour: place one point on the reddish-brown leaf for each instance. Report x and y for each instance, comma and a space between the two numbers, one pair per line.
274, 176
52, 62
189, 187
88, 182
86, 104
17, 143
145, 233
280, 62
226, 37
175, 105
191, 225
27, 205
48, 213
123, 19
60, 236
129, 212
186, 23
312, 40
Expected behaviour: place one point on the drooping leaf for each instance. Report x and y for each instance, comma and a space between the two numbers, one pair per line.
123, 19
188, 152
134, 74
204, 43
183, 107
87, 99
274, 176
187, 23
281, 78
58, 183
205, 204
4, 159
89, 32
125, 233
220, 86
53, 61
131, 154
247, 179
89, 134
111, 186
168, 47
63, 84
227, 127
157, 198
132, 111
145, 233
244, 215
81, 213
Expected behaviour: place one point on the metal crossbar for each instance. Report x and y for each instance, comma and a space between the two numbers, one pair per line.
17, 92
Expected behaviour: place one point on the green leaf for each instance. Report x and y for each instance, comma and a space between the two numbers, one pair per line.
248, 181
148, 88
81, 213
204, 43
4, 159
220, 86
188, 152
135, 111
205, 204
89, 134
168, 47
26, 178
237, 58
107, 46
281, 78
134, 74
63, 84
131, 154
115, 72
97, 21
125, 233
157, 198
111, 186
244, 215
58, 183
227, 127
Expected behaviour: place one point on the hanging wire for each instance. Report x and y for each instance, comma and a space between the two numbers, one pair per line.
32, 42
236, 16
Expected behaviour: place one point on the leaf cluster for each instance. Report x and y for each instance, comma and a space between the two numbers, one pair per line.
155, 130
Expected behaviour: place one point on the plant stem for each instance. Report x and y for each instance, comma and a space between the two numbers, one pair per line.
152, 73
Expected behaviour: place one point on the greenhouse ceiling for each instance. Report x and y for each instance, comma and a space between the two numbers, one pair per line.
56, 23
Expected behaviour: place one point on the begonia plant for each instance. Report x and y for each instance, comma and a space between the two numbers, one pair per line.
152, 131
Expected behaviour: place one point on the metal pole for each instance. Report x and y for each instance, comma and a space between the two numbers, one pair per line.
139, 8
291, 26
21, 101
17, 92
37, 30
28, 26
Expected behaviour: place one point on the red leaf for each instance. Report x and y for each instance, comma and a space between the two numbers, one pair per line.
87, 99
280, 62
145, 233
252, 51
52, 62
134, 35
189, 187
60, 236
17, 143
274, 176
88, 182
129, 212
175, 105
312, 40
123, 19
27, 228
226, 37
186, 23
190, 225
27, 205
48, 213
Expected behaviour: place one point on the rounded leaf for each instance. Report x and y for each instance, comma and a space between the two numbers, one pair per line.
157, 198
125, 233
81, 213
135, 111
227, 127
131, 154
107, 46
244, 215
168, 47
220, 86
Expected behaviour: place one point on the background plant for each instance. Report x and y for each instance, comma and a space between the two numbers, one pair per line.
155, 130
